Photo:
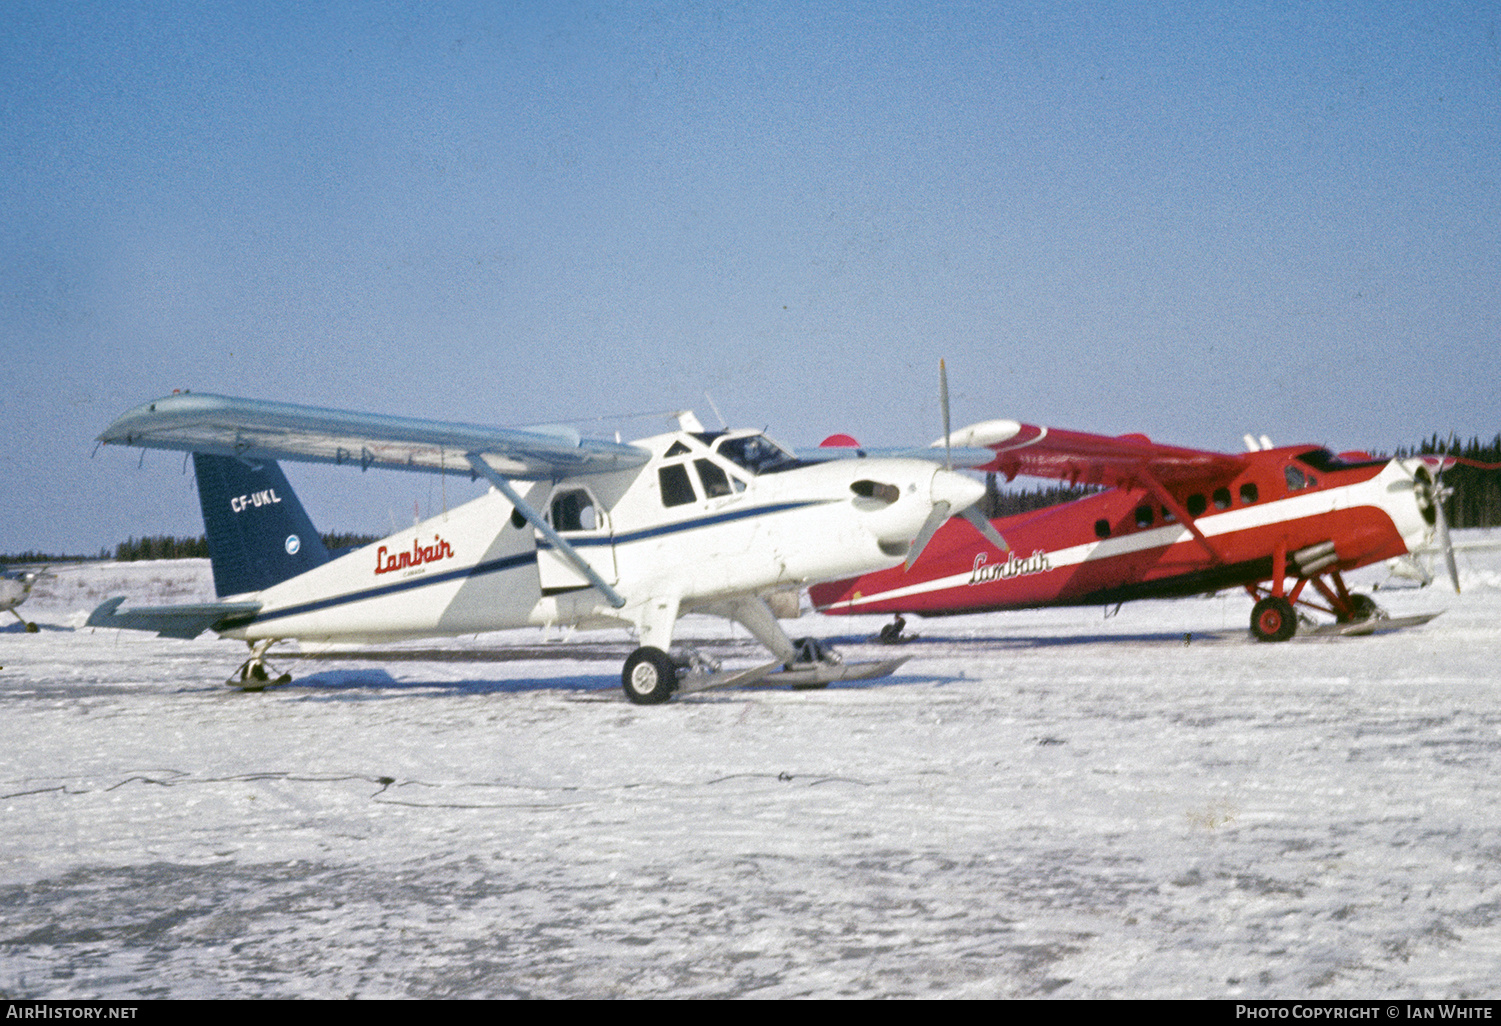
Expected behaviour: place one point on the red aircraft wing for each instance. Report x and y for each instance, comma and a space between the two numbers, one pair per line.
1079, 458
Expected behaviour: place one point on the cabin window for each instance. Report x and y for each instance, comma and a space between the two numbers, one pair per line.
1295, 478
677, 490
715, 481
1102, 528
1222, 498
1248, 493
1143, 516
574, 510
1196, 505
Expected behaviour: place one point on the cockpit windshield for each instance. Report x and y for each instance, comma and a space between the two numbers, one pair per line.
1323, 460
757, 454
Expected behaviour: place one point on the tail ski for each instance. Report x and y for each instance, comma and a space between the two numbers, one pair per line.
258, 533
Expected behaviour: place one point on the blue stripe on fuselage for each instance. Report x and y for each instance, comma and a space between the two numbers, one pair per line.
512, 562
479, 569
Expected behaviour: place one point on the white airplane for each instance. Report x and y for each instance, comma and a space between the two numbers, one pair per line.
15, 588
575, 532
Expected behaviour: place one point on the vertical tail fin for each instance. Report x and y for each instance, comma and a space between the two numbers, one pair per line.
258, 533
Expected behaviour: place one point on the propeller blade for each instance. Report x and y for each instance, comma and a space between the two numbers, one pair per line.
1441, 532
985, 527
943, 401
929, 527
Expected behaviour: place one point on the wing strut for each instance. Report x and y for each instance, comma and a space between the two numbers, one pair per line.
534, 518
1155, 487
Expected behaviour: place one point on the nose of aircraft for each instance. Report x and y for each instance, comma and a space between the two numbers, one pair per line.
956, 489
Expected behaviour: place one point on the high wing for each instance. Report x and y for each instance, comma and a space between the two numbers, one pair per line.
967, 458
257, 429
1080, 458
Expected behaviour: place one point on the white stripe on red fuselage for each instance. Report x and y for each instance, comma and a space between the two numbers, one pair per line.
1057, 559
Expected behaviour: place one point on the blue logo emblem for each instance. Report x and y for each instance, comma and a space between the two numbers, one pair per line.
293, 544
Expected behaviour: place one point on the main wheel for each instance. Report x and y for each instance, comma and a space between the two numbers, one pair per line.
1273, 619
1362, 607
809, 650
650, 677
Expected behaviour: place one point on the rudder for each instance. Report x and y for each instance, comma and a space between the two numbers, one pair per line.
258, 533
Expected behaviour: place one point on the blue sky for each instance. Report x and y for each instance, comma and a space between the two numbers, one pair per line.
1186, 220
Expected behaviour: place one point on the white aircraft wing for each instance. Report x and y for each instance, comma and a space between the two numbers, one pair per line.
964, 457
257, 429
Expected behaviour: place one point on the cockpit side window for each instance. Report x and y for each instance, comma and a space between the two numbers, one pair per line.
757, 454
1295, 478
715, 481
677, 489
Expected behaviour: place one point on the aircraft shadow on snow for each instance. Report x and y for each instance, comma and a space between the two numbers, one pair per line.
375, 682
959, 647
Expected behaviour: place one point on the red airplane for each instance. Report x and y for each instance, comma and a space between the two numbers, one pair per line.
1284, 523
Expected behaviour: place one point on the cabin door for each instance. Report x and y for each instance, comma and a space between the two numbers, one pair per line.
576, 515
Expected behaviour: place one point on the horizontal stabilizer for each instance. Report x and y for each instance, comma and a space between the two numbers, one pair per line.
186, 621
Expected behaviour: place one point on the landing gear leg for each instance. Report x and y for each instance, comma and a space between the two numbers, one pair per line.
31, 628
253, 674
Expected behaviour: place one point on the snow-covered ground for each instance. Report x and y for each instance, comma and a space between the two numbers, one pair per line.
1046, 803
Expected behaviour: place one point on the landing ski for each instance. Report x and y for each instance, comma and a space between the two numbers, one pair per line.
815, 675
1364, 628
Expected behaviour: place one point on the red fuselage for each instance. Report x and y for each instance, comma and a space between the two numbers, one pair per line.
1128, 543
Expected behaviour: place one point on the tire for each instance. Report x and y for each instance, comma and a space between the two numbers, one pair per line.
1273, 619
809, 650
650, 676
1362, 608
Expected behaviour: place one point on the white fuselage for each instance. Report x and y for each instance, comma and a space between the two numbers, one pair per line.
693, 527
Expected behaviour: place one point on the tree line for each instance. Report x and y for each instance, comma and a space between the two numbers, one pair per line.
1475, 493
1474, 500
165, 546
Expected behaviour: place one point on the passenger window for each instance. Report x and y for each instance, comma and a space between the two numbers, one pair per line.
1248, 493
573, 510
1196, 505
1222, 498
677, 490
1102, 528
1143, 516
715, 481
